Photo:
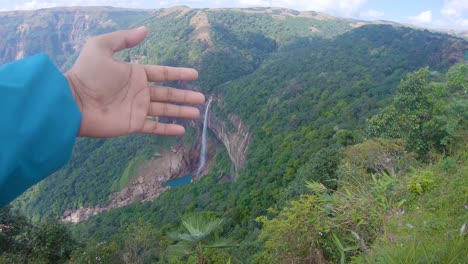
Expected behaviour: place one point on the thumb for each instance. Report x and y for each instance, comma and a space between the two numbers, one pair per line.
122, 39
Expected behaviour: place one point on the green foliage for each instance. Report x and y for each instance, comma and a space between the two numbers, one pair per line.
376, 156
159, 46
457, 79
129, 173
304, 87
295, 234
411, 110
292, 113
243, 24
95, 171
448, 164
101, 253
322, 167
377, 221
217, 68
12, 224
447, 250
421, 183
331, 226
24, 242
51, 242
139, 242
198, 236
423, 114
431, 229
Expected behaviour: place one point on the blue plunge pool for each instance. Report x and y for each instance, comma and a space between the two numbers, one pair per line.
179, 181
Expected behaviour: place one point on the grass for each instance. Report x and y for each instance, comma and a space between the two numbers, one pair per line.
430, 229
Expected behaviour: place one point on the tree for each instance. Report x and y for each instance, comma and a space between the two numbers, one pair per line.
142, 243
296, 233
199, 235
51, 241
321, 167
376, 156
12, 224
411, 114
457, 79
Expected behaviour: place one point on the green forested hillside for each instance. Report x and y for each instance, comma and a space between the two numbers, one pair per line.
358, 150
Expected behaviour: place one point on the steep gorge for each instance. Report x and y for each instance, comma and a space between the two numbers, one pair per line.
194, 30
180, 160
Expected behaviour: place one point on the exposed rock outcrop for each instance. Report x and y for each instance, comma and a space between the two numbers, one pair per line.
152, 176
454, 52
234, 134
202, 28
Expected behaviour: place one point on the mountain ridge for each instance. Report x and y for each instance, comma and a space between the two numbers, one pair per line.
274, 11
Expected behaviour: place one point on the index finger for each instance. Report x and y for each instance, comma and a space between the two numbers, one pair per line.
156, 73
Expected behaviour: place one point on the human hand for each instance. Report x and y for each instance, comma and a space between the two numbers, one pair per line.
115, 98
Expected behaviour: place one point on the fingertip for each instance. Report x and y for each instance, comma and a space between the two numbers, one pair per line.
200, 98
194, 74
142, 28
178, 130
197, 113
143, 31
189, 74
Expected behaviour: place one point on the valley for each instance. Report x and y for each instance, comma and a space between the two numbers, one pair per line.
328, 139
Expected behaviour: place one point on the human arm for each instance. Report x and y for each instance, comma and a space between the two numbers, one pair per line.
99, 97
39, 122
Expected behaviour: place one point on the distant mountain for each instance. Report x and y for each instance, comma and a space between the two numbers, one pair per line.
286, 85
59, 32
459, 33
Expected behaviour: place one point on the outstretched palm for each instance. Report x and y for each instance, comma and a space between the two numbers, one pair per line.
115, 97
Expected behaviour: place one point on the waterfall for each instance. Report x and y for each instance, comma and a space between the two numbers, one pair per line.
203, 142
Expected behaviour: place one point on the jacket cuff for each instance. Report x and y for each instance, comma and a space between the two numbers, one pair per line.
40, 121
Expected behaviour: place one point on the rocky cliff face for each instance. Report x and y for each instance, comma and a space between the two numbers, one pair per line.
59, 32
178, 162
149, 184
454, 52
234, 135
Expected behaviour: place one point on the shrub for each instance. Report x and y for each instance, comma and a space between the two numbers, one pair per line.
421, 183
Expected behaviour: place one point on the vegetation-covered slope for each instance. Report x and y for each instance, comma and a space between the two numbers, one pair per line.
305, 87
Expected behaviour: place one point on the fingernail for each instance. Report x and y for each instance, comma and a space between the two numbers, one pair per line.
141, 28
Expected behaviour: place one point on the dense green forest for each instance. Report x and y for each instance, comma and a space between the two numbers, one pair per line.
358, 152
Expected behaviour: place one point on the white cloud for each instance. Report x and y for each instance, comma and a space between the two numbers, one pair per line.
372, 14
424, 17
339, 7
454, 8
34, 5
37, 4
450, 12
454, 14
254, 3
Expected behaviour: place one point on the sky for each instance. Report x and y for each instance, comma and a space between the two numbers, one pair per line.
442, 14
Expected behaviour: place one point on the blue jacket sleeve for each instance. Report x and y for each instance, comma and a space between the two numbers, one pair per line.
39, 122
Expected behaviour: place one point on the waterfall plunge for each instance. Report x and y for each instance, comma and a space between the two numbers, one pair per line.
203, 143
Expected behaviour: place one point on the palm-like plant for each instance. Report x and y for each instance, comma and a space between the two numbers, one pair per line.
199, 235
